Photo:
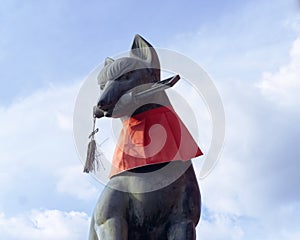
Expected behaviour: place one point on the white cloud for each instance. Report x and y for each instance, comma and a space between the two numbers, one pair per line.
38, 154
46, 225
250, 193
64, 121
39, 167
72, 181
283, 86
31, 132
247, 188
219, 227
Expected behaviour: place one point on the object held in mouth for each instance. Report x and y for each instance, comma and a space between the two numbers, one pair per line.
157, 87
133, 97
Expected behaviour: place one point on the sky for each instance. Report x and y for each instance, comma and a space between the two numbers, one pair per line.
251, 50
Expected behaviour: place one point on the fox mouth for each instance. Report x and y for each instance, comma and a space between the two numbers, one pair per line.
108, 113
114, 112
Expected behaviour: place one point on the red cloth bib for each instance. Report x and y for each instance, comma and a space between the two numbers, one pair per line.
154, 136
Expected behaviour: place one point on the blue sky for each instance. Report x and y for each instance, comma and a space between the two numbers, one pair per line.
57, 41
250, 48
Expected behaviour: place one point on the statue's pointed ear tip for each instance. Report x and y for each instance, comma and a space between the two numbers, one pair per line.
137, 36
108, 61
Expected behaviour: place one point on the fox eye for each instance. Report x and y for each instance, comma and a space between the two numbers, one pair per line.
102, 85
125, 76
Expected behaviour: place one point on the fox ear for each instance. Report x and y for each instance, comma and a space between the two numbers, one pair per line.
108, 61
101, 78
142, 49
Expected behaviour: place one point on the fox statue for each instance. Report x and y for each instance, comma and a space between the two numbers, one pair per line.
152, 138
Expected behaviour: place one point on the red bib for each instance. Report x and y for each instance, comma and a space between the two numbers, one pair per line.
154, 136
